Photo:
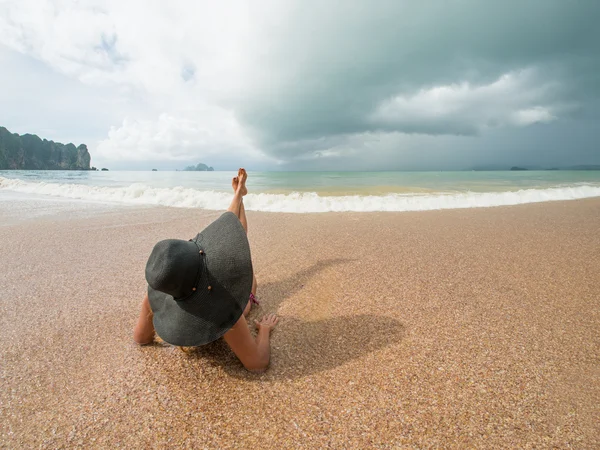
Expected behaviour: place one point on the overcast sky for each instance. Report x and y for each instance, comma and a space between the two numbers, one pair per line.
323, 85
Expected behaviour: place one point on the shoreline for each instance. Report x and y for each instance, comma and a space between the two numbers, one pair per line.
22, 207
302, 196
454, 328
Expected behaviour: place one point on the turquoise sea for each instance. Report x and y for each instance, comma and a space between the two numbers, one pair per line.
308, 191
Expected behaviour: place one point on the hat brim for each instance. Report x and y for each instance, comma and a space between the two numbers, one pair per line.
208, 314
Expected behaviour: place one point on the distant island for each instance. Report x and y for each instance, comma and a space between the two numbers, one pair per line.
490, 168
29, 152
584, 167
199, 167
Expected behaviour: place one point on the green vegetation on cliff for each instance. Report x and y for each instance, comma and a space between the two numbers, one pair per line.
29, 152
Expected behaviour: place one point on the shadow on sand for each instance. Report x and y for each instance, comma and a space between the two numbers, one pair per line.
277, 292
300, 348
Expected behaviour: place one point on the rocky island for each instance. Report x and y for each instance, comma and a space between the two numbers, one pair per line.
199, 167
29, 152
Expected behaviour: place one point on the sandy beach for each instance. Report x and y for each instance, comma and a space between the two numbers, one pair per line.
472, 328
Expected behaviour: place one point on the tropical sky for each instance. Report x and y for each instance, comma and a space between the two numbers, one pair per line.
306, 85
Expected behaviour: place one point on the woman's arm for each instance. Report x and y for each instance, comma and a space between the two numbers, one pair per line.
253, 353
144, 330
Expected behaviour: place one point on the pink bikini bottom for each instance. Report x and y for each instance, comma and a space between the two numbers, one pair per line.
253, 299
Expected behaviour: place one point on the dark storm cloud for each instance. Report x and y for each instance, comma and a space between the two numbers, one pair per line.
340, 70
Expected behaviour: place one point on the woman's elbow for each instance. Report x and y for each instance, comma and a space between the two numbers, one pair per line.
259, 366
257, 369
141, 338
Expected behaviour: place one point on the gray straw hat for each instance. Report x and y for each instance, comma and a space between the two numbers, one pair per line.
198, 289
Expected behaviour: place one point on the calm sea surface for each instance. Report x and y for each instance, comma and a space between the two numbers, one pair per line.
332, 183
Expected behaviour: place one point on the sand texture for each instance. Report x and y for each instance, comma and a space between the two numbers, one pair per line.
446, 329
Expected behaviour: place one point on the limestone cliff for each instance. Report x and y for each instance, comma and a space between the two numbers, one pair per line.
29, 152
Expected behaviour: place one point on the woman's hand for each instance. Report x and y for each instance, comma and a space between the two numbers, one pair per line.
268, 322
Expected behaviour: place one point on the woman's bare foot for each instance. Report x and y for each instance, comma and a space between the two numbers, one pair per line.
240, 180
235, 181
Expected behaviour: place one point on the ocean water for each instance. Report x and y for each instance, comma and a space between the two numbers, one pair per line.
302, 192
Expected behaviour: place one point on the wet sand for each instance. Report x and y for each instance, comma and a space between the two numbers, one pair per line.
457, 329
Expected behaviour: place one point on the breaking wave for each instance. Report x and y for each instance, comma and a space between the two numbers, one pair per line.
141, 194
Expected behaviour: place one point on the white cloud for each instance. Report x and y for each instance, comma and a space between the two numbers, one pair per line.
170, 138
178, 63
145, 44
537, 114
513, 99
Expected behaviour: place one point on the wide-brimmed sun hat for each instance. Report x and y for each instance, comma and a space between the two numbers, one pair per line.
198, 289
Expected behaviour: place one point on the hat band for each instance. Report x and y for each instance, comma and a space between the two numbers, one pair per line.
202, 270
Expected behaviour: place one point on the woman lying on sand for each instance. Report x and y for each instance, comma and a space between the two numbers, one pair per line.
202, 289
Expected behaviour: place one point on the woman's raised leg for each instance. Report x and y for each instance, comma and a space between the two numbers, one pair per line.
241, 213
239, 190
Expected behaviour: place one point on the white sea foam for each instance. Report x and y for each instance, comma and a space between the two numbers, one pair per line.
142, 194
